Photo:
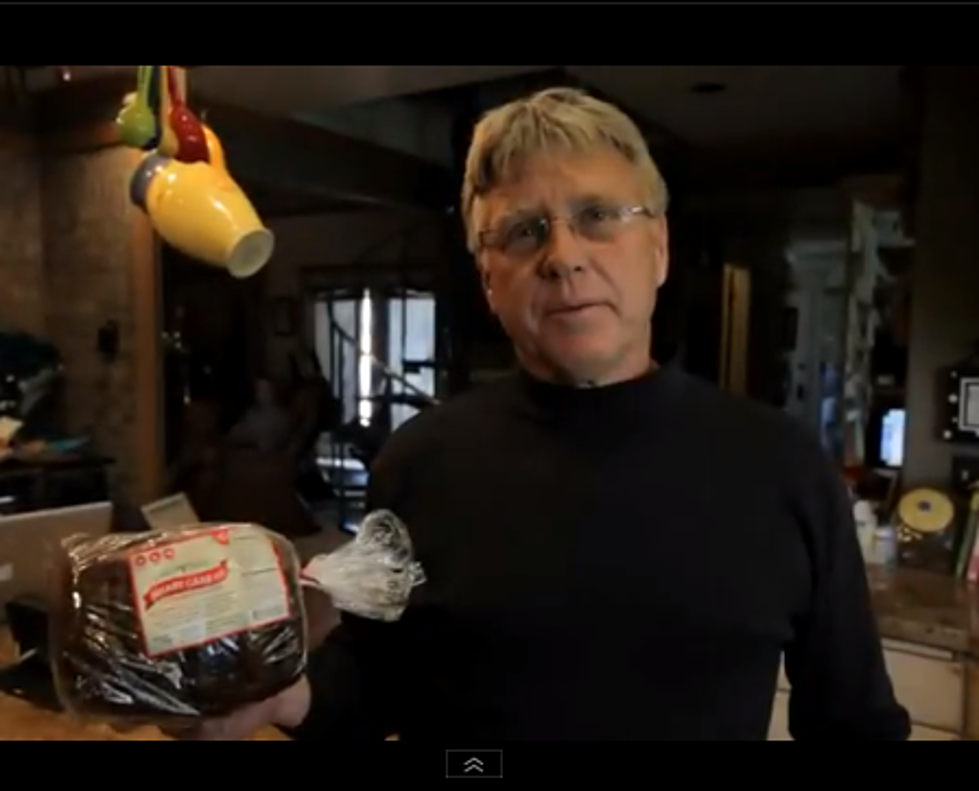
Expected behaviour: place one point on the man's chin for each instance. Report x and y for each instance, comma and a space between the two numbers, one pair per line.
596, 364
584, 369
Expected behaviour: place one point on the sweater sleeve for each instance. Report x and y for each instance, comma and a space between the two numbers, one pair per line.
354, 676
835, 664
354, 684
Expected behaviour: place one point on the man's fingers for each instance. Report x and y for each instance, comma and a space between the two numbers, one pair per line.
242, 724
286, 708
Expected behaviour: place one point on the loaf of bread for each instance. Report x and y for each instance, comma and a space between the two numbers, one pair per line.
170, 627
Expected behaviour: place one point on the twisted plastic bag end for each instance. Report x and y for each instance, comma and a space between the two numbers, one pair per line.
373, 575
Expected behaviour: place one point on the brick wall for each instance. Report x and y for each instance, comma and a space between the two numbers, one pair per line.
21, 247
67, 265
88, 251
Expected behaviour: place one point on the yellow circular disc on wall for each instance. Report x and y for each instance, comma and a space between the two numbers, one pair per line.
926, 510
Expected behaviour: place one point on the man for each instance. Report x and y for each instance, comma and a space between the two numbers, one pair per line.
614, 550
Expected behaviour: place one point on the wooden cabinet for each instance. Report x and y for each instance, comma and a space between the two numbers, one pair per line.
919, 733
778, 730
928, 682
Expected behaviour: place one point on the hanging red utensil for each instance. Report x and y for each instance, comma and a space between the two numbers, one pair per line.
186, 127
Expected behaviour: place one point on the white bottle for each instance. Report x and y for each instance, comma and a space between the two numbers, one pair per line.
866, 522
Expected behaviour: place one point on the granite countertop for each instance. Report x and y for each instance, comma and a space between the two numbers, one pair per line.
926, 608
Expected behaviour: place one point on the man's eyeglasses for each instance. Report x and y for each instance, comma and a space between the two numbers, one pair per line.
595, 222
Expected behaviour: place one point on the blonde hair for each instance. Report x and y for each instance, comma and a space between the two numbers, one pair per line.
556, 119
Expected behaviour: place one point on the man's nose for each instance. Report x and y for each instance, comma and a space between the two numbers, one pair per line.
563, 254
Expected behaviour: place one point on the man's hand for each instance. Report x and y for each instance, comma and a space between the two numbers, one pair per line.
288, 709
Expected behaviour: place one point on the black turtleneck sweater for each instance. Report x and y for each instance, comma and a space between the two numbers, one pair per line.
625, 562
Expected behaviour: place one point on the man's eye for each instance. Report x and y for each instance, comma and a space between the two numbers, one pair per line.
523, 231
597, 214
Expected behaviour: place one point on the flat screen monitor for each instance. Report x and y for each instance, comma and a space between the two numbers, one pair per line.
892, 438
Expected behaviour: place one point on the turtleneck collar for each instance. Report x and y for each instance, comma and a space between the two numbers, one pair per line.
605, 408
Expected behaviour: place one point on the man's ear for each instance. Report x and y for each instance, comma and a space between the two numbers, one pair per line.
661, 247
486, 281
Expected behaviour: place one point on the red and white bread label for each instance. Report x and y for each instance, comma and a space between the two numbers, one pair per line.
214, 583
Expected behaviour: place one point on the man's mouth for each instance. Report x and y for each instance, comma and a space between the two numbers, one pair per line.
573, 308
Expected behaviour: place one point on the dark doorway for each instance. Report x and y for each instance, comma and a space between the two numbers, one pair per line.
214, 344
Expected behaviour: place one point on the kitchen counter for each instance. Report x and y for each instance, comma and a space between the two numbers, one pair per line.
912, 607
22, 721
926, 609
930, 632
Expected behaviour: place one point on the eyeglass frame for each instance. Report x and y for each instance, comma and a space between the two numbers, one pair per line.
623, 214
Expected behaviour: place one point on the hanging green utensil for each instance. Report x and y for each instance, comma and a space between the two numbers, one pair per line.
136, 123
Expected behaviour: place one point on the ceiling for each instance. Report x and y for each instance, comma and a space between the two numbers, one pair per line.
760, 102
291, 90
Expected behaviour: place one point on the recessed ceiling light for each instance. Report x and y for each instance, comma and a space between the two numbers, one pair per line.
707, 88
